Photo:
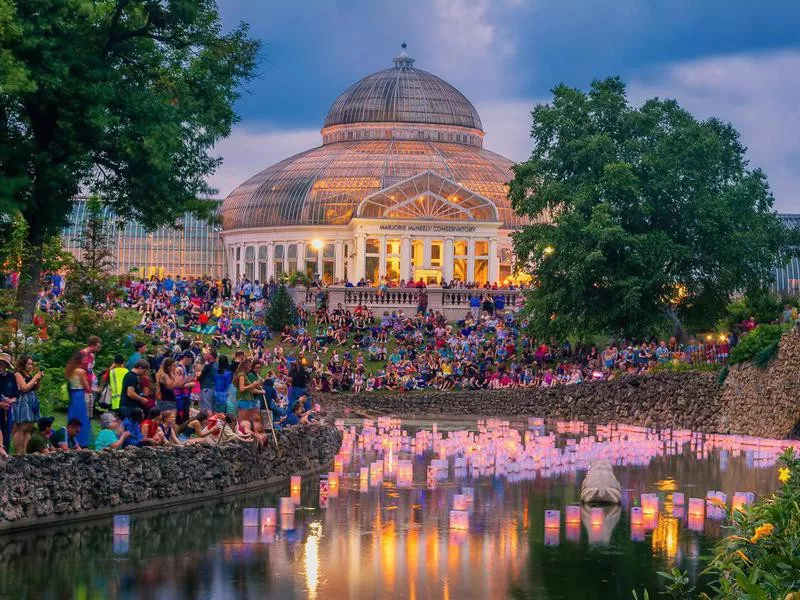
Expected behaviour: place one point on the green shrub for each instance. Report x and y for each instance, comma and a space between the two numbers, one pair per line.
762, 305
757, 340
680, 366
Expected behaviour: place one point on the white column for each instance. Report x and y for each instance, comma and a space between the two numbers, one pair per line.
405, 258
382, 259
270, 260
338, 269
494, 261
471, 260
319, 260
426, 253
447, 260
361, 257
301, 256
242, 251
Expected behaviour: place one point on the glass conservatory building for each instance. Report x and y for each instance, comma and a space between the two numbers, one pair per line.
401, 189
192, 248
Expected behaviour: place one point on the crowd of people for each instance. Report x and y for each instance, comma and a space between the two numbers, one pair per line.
212, 370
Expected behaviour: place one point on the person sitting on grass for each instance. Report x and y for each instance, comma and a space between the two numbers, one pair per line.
151, 429
66, 438
39, 443
194, 427
112, 435
132, 425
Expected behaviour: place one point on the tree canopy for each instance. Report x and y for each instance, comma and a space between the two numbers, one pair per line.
639, 216
122, 98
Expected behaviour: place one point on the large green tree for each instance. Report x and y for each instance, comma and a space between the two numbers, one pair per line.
639, 216
122, 98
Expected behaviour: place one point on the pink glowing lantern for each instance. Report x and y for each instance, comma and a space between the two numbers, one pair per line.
649, 504
459, 502
250, 517
364, 474
269, 518
122, 524
295, 495
338, 464
742, 499
573, 514
459, 519
697, 507
678, 499
636, 516
296, 483
552, 518
333, 480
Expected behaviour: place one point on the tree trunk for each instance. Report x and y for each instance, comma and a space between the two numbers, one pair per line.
30, 278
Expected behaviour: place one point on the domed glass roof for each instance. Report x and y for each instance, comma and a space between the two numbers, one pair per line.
403, 94
387, 128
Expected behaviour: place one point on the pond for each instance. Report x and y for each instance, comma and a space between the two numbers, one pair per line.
387, 531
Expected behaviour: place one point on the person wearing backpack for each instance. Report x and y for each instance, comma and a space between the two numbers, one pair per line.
110, 396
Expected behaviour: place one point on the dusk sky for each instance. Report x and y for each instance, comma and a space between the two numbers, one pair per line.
736, 60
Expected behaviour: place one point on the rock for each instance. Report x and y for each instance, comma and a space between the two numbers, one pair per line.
600, 486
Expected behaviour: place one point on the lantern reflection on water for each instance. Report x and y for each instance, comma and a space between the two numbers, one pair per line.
574, 532
552, 536
459, 519
122, 524
250, 517
269, 518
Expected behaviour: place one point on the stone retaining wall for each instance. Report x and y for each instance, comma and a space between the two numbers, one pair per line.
689, 400
765, 402
62, 486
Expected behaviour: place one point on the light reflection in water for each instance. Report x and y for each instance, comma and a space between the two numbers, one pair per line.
390, 542
312, 559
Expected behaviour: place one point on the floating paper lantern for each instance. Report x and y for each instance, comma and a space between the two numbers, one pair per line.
286, 506
741, 499
678, 499
469, 494
459, 502
649, 504
552, 518
697, 506
573, 514
636, 516
363, 486
364, 474
269, 518
250, 517
296, 483
122, 524
596, 517
333, 480
459, 519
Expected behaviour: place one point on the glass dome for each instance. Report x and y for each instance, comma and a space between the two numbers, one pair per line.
403, 94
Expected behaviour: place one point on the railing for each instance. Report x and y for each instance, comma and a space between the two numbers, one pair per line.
462, 297
374, 296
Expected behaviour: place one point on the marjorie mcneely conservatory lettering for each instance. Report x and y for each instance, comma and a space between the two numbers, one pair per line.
439, 228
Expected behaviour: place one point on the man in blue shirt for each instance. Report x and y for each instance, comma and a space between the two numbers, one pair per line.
132, 425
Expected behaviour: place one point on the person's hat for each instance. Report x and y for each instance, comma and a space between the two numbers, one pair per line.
107, 419
5, 358
44, 423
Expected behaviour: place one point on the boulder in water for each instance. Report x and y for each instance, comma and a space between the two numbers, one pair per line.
600, 486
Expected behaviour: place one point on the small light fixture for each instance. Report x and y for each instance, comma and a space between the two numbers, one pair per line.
316, 244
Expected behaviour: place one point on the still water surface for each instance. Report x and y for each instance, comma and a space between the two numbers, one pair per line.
382, 541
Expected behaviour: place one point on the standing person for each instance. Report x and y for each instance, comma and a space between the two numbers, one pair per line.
185, 380
299, 381
115, 374
26, 408
93, 346
222, 383
79, 387
166, 380
207, 380
140, 348
131, 397
247, 385
8, 396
